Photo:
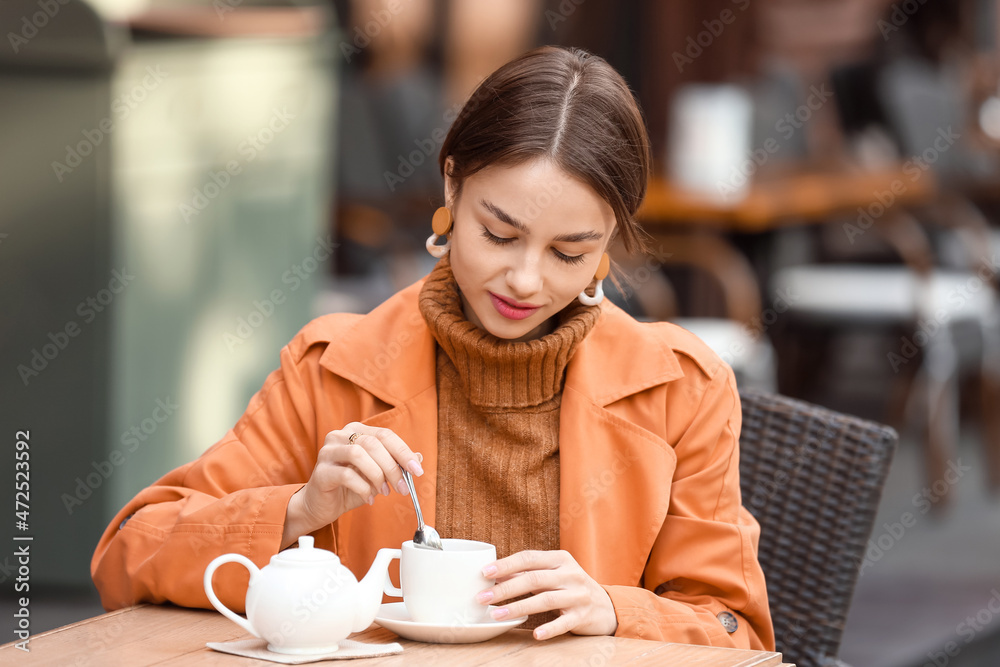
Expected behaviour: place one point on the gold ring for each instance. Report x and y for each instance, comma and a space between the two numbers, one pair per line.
354, 437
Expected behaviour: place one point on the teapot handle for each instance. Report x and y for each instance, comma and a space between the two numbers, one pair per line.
213, 598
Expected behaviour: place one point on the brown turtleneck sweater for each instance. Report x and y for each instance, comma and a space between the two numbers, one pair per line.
498, 423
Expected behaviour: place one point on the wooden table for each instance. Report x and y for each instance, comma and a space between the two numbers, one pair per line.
167, 635
799, 197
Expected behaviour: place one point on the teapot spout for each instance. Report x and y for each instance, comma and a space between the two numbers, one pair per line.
370, 589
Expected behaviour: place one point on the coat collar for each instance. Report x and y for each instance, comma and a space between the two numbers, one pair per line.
390, 353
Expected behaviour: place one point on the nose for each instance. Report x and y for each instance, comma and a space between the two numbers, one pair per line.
525, 278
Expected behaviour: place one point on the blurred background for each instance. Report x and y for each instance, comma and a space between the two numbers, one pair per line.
186, 184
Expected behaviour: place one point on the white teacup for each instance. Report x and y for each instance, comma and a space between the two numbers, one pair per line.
440, 587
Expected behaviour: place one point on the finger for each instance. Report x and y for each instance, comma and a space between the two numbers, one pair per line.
399, 450
387, 465
364, 462
554, 628
534, 581
338, 442
334, 477
536, 604
390, 475
524, 561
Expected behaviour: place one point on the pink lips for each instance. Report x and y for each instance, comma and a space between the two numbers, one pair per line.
511, 311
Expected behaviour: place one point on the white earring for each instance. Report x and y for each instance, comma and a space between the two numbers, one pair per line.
602, 272
441, 224
593, 300
433, 248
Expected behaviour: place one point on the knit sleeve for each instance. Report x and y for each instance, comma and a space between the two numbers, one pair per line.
703, 568
232, 499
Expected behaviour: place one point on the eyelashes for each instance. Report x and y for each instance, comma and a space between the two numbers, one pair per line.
501, 241
495, 240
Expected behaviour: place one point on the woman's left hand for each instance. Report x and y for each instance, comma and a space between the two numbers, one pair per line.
558, 583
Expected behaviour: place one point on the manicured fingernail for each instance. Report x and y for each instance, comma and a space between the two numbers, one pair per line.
500, 613
540, 634
385, 488
402, 488
485, 596
371, 499
490, 571
420, 457
414, 467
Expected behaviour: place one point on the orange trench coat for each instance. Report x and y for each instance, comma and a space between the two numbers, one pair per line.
649, 475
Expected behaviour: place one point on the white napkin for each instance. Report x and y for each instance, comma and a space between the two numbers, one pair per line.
257, 648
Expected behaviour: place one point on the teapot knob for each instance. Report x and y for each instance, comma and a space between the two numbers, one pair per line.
306, 542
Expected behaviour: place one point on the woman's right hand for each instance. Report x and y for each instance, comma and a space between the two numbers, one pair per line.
347, 475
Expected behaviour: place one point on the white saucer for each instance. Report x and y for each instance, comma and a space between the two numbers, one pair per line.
394, 617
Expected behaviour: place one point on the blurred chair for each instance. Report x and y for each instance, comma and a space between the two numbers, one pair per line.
927, 302
813, 479
739, 336
921, 108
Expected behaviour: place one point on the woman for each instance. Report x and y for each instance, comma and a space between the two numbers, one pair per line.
598, 454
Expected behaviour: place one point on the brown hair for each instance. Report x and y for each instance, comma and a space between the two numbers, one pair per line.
567, 105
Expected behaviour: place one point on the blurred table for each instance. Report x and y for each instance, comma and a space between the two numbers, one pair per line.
693, 225
794, 198
167, 635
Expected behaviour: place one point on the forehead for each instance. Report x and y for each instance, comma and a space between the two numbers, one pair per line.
541, 193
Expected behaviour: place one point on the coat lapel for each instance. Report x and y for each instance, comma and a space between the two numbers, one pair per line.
615, 469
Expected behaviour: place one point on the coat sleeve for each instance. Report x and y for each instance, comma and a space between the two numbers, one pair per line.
704, 560
232, 499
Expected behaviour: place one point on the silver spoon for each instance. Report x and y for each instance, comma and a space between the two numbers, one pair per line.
425, 537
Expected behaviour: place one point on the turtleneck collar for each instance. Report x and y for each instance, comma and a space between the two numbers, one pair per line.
497, 372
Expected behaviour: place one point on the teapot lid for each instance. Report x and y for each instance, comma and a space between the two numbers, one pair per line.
306, 553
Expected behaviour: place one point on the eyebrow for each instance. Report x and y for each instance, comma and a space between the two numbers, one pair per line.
503, 216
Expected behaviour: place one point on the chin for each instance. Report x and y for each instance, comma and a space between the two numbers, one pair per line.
507, 329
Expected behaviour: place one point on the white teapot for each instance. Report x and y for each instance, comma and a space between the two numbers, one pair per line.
305, 601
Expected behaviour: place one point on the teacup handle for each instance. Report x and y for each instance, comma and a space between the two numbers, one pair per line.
213, 598
390, 590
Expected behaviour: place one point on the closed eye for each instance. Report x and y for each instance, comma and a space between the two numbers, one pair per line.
493, 238
569, 259
503, 240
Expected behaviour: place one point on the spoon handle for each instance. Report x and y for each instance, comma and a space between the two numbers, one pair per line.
413, 495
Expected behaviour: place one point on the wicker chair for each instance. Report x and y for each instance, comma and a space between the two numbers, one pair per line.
813, 479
